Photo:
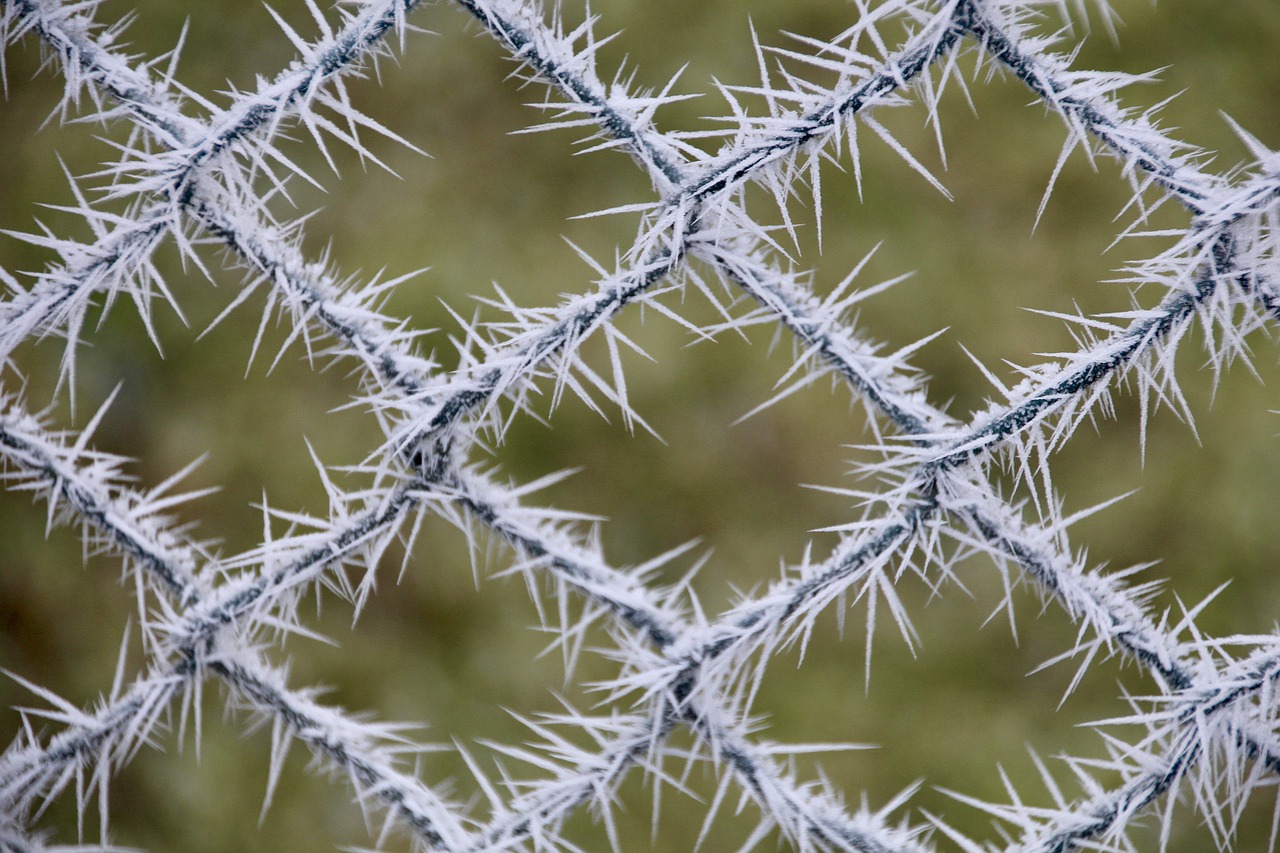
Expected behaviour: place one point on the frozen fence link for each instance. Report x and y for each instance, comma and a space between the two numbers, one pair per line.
681, 697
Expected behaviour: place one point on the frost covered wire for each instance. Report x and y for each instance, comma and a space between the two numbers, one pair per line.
583, 578
687, 671
1116, 615
83, 487
196, 628
734, 749
199, 157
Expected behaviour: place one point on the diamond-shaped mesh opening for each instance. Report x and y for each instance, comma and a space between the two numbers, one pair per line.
660, 483
1193, 483
465, 659
964, 657
1004, 257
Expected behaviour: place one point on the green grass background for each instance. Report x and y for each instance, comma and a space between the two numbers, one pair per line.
439, 646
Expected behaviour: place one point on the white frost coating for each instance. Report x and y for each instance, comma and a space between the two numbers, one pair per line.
682, 668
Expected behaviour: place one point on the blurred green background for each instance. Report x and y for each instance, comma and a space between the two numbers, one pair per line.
436, 645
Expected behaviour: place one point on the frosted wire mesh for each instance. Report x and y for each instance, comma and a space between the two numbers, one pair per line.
194, 172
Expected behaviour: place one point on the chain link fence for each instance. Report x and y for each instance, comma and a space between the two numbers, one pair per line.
696, 671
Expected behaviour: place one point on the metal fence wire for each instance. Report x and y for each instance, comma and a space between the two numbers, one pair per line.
666, 690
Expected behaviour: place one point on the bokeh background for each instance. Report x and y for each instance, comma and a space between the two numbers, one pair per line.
447, 644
